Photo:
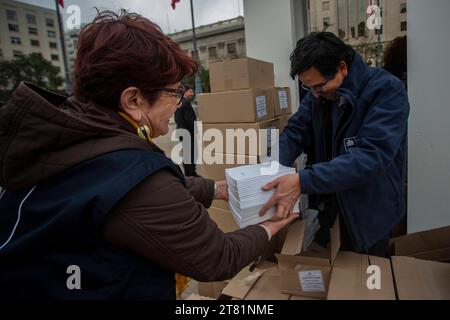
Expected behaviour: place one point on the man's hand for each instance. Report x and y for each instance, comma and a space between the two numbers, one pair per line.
222, 190
285, 196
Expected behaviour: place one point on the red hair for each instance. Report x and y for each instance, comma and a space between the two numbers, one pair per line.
117, 51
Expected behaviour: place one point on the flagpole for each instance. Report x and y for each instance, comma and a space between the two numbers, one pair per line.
63, 49
198, 82
378, 62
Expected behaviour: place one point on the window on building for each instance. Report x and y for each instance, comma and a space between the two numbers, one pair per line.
231, 48
1, 53
362, 17
326, 23
53, 45
403, 26
325, 5
351, 8
13, 27
11, 15
362, 29
16, 40
212, 52
31, 19
403, 8
51, 34
17, 54
34, 43
32, 30
54, 57
342, 14
49, 22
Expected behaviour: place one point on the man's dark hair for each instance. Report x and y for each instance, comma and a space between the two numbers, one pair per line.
321, 50
187, 87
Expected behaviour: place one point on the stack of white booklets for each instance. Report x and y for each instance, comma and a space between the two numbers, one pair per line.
246, 197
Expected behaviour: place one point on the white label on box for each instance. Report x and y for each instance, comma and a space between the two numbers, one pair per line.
312, 281
261, 109
282, 96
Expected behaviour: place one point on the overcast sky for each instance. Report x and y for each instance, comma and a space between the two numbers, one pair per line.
159, 11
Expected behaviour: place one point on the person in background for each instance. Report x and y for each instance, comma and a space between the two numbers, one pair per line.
185, 119
354, 118
86, 189
395, 59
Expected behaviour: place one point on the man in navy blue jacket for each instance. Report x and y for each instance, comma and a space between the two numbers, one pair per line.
352, 124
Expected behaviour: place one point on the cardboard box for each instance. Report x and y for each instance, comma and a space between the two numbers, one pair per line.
223, 219
349, 278
281, 100
249, 105
216, 172
302, 274
211, 289
261, 284
256, 137
221, 204
417, 279
194, 296
243, 73
428, 245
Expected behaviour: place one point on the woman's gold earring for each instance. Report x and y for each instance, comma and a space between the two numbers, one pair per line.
144, 132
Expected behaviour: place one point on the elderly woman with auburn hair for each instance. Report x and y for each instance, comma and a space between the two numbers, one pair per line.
92, 208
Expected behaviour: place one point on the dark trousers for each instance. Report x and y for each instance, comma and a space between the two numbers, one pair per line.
189, 168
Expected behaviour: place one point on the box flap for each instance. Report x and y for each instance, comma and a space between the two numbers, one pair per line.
294, 239
211, 289
349, 278
427, 245
417, 279
241, 284
335, 240
267, 287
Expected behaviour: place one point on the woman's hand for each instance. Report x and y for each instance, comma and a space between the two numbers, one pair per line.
276, 226
221, 191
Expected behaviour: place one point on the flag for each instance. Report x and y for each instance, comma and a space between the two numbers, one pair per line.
173, 4
61, 3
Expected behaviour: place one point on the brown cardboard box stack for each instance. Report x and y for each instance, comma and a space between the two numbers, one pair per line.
243, 97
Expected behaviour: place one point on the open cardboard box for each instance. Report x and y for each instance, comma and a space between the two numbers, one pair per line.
349, 278
419, 265
427, 245
306, 275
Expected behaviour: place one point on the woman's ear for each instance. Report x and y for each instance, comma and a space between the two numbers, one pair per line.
130, 103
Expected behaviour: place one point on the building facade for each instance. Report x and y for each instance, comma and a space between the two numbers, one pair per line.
71, 40
348, 20
26, 28
217, 41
